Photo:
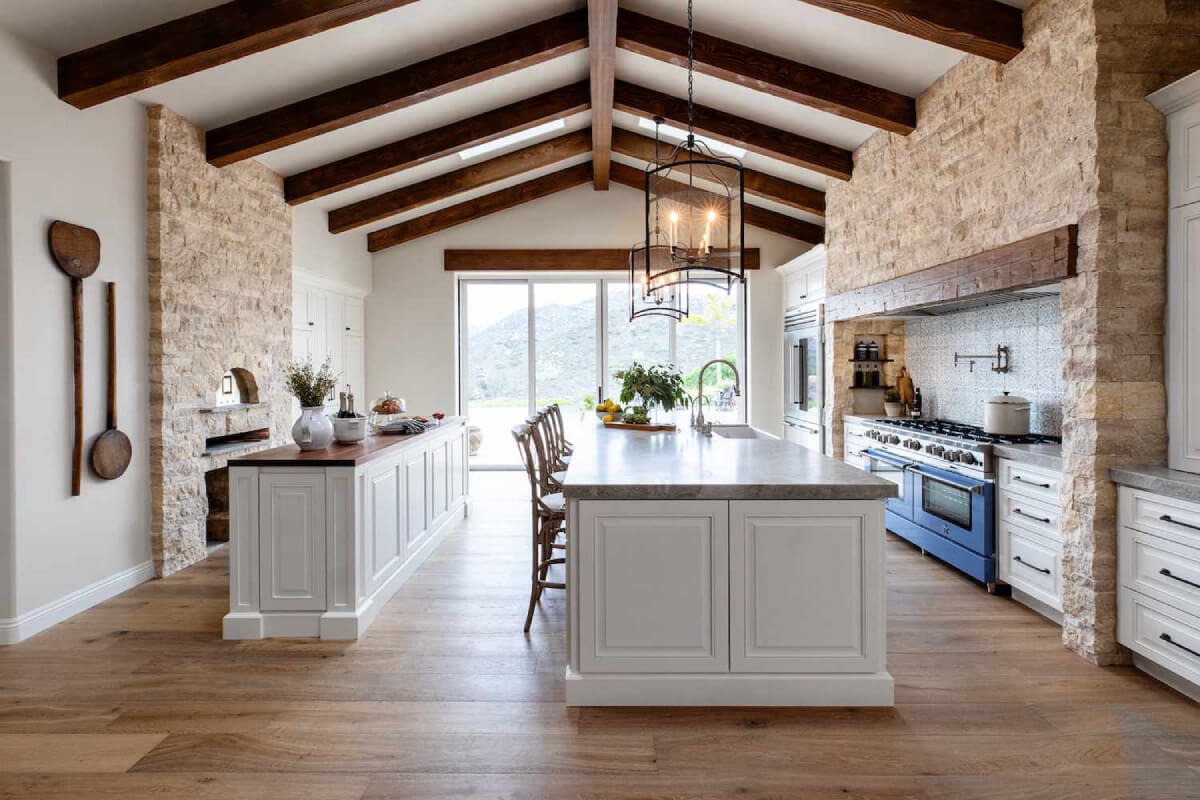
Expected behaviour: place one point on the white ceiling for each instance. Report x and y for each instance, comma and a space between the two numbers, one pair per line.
426, 28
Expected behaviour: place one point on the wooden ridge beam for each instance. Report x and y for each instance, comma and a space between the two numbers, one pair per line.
198, 42
764, 218
397, 89
479, 207
1039, 260
471, 177
602, 65
774, 75
759, 184
379, 162
981, 27
753, 136
593, 260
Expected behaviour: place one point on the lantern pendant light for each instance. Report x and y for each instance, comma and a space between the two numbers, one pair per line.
694, 212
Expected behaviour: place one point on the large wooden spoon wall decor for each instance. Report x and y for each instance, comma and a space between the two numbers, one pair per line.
76, 250
112, 451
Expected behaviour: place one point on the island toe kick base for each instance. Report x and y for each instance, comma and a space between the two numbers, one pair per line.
737, 602
319, 541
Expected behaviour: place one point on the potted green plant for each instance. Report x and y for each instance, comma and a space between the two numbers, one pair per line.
313, 430
891, 403
658, 387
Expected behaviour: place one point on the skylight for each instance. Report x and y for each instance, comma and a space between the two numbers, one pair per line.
512, 138
679, 135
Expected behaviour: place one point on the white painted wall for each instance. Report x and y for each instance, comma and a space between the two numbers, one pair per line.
342, 259
86, 167
411, 333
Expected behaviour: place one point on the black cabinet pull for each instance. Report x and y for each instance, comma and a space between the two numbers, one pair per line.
1167, 573
1168, 518
1031, 483
1031, 516
1031, 566
1166, 637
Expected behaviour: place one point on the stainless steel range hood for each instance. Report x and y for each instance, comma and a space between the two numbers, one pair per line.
975, 302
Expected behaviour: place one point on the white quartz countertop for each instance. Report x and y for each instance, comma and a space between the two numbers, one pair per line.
614, 464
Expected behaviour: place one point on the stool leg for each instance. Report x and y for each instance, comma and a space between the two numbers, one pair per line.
535, 584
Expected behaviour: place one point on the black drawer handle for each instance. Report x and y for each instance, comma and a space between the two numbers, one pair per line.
1031, 516
1167, 518
1031, 566
1166, 637
1031, 483
1166, 572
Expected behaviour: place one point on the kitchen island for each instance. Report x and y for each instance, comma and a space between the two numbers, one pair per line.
728, 570
320, 539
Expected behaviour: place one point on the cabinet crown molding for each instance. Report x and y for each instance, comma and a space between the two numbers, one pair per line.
311, 281
1178, 95
811, 258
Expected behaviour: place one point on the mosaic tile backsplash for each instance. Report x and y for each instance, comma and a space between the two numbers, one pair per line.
1033, 331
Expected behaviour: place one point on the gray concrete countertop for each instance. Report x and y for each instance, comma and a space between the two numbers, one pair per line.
1159, 480
613, 464
1036, 455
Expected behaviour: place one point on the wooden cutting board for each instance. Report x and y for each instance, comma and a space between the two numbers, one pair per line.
630, 426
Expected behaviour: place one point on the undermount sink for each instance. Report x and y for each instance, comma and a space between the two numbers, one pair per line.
739, 432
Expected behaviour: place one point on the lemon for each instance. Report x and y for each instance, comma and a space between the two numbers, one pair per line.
608, 417
602, 407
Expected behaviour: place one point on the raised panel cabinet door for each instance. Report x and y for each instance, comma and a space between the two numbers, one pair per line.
355, 317
416, 500
654, 586
292, 540
439, 493
1184, 135
386, 545
301, 318
802, 587
334, 341
458, 466
353, 371
1183, 340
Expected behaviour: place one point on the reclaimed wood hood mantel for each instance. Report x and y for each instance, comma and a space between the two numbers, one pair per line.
1037, 261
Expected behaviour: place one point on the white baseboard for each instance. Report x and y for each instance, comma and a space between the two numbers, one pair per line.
726, 689
54, 612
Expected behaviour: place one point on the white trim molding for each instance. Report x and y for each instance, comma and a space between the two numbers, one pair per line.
39, 619
328, 284
1180, 94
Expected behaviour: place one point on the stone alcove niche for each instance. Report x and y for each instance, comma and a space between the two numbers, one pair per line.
237, 388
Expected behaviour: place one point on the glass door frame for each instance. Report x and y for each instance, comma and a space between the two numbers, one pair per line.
602, 282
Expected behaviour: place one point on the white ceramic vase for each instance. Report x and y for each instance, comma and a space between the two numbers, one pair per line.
313, 430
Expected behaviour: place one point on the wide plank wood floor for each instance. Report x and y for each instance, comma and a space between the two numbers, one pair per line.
446, 698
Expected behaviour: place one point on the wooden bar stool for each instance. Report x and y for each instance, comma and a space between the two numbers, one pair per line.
544, 425
548, 515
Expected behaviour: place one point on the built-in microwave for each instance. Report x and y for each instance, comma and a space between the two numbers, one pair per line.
804, 372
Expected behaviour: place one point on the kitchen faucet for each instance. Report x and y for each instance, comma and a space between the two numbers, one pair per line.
737, 388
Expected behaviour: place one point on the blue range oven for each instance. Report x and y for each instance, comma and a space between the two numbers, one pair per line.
946, 514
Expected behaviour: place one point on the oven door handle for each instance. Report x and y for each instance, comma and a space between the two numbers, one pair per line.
974, 487
888, 457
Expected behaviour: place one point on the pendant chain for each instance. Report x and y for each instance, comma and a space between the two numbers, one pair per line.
691, 58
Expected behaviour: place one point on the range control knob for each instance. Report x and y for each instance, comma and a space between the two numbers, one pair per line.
935, 450
967, 458
954, 455
893, 439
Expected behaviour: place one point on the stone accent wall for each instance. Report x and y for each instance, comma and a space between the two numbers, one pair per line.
840, 338
219, 247
1059, 135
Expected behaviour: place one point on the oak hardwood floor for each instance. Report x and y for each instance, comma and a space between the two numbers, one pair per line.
446, 698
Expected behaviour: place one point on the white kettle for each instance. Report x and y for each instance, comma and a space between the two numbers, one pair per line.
1006, 415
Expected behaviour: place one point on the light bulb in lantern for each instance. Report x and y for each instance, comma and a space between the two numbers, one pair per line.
673, 218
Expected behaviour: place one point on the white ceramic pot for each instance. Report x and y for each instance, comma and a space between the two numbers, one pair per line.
349, 429
893, 410
1006, 415
313, 431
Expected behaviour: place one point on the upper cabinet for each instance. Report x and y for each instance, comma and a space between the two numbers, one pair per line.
804, 278
1180, 102
330, 324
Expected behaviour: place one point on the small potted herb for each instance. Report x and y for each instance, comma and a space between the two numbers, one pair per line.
313, 430
891, 403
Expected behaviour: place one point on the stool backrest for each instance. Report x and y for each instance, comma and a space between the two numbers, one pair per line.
524, 439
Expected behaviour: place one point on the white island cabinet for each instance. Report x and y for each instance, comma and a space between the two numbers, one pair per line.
320, 540
711, 571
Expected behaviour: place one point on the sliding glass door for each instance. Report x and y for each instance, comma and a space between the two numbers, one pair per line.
528, 342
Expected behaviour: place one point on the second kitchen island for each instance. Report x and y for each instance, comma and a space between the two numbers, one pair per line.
729, 570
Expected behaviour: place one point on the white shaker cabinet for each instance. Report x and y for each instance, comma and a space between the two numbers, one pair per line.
292, 540
329, 323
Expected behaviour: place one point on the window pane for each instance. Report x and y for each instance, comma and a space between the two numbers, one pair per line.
497, 352
709, 331
565, 350
646, 339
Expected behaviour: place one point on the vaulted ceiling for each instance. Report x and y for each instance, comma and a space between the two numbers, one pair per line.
365, 105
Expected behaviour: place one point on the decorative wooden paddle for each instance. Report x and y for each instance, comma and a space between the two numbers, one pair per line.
112, 451
76, 250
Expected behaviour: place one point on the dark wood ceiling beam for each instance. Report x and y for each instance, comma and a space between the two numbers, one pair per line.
774, 75
753, 136
462, 180
479, 207
391, 158
398, 89
764, 218
602, 65
981, 27
759, 184
198, 42
593, 260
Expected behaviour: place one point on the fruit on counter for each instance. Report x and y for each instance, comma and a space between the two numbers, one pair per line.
439, 416
637, 416
607, 418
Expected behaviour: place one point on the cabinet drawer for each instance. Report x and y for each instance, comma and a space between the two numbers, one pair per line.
1036, 482
1160, 568
1177, 520
1030, 563
1032, 515
1165, 635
